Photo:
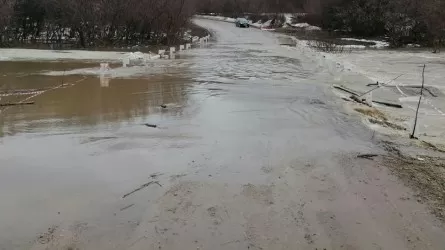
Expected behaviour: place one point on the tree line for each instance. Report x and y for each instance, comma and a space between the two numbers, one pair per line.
93, 23
402, 21
102, 23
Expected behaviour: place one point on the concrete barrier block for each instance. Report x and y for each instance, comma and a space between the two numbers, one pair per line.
172, 49
181, 47
188, 46
161, 52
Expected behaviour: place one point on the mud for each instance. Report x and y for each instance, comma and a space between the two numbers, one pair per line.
425, 174
252, 152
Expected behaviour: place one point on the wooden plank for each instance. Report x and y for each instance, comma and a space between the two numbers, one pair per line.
389, 104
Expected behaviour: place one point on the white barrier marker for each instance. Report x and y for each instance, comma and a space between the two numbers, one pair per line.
125, 62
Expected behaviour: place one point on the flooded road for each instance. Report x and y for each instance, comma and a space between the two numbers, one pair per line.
252, 151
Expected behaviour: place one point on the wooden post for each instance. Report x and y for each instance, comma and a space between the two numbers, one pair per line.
418, 105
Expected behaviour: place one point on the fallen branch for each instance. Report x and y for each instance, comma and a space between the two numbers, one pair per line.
16, 104
141, 187
350, 91
394, 105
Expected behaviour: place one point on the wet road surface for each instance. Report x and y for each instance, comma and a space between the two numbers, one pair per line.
252, 152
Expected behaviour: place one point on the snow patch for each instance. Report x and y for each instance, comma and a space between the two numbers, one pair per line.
305, 26
301, 25
54, 55
378, 44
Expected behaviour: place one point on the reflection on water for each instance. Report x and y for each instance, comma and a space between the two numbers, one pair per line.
63, 103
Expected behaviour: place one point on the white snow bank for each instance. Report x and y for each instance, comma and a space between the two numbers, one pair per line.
218, 18
136, 55
401, 70
110, 73
256, 25
378, 44
305, 26
301, 25
54, 55
267, 23
313, 28
259, 25
288, 18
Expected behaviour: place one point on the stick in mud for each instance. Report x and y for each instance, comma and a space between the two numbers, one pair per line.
141, 187
16, 104
418, 105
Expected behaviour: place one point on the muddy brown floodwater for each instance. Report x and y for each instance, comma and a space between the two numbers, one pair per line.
251, 151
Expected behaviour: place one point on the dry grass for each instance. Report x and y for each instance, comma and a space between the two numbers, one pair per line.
386, 124
372, 112
378, 117
426, 177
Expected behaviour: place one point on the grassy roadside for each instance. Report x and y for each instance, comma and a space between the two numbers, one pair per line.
425, 174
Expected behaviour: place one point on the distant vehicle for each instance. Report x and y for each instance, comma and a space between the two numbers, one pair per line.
242, 23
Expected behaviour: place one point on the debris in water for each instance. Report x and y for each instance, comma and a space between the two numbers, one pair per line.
127, 207
48, 236
141, 187
155, 175
163, 106
373, 84
151, 125
316, 101
357, 99
367, 156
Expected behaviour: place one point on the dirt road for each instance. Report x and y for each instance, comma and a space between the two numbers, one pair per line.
253, 151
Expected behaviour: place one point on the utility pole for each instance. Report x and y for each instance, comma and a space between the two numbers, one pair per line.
418, 105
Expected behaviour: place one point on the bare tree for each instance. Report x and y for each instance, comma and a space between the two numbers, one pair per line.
6, 12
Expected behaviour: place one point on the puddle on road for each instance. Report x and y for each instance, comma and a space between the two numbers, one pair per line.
67, 102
